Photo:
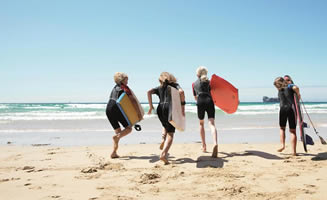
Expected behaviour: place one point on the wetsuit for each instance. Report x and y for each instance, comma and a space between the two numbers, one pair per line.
287, 108
201, 89
113, 113
164, 104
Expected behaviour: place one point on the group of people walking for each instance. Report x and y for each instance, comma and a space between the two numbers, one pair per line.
204, 102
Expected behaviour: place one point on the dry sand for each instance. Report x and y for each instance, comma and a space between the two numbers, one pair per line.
242, 171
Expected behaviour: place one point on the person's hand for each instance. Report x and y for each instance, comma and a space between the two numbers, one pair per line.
150, 110
140, 116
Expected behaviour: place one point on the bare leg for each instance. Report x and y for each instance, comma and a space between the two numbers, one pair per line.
117, 137
164, 153
164, 135
203, 137
282, 138
214, 135
293, 140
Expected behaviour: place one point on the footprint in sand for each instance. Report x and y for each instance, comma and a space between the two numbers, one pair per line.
292, 175
149, 178
4, 180
55, 196
233, 190
89, 170
111, 166
28, 169
310, 186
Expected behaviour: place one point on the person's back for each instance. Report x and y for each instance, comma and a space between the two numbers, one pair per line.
202, 91
162, 92
201, 88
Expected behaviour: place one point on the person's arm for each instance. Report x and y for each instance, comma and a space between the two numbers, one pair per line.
194, 93
296, 89
150, 92
182, 96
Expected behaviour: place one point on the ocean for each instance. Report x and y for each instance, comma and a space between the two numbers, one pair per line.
71, 124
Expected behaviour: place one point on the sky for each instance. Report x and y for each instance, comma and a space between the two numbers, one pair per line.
69, 50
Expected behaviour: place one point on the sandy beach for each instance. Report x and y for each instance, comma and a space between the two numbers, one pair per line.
242, 171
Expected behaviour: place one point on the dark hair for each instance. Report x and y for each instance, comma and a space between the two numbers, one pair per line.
287, 76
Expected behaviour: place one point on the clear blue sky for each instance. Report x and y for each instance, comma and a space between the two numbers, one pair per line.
68, 50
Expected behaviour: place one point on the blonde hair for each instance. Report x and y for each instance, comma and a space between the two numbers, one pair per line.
120, 77
202, 72
167, 77
280, 83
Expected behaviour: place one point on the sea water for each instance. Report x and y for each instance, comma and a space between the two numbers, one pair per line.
86, 124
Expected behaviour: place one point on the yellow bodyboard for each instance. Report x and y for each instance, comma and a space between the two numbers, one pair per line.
128, 110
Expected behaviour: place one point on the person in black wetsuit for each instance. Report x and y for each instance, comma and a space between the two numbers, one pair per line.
161, 91
113, 112
287, 111
204, 102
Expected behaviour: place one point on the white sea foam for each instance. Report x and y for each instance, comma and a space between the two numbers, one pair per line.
315, 106
53, 116
42, 107
53, 130
97, 111
3, 106
258, 107
255, 113
96, 106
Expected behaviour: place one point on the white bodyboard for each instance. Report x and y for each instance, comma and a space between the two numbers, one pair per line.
176, 117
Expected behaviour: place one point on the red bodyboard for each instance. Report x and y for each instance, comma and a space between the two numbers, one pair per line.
224, 94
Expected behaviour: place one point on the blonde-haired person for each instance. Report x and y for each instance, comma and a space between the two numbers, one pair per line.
287, 111
114, 114
204, 102
165, 79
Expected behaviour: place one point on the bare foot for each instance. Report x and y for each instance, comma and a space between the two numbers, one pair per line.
164, 160
214, 151
204, 149
294, 154
162, 145
114, 155
281, 149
